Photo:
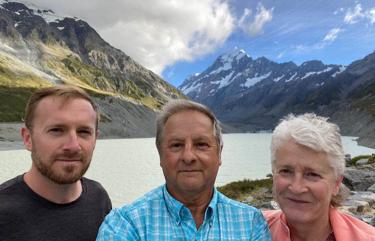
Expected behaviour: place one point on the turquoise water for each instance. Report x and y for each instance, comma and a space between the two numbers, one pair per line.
128, 168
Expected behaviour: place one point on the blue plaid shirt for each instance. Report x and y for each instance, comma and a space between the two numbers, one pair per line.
158, 216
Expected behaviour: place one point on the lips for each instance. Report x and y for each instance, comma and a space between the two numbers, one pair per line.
189, 171
68, 159
297, 200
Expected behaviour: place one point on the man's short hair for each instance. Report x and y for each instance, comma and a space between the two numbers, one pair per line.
65, 91
180, 105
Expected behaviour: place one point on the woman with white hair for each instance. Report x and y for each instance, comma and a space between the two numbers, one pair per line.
308, 165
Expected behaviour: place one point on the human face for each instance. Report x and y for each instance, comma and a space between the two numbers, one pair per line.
62, 138
189, 154
303, 183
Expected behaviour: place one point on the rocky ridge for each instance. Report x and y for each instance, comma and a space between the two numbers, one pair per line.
253, 94
39, 48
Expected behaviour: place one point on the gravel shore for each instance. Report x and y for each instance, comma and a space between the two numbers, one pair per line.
10, 136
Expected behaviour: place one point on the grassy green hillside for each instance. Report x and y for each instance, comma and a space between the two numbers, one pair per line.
13, 101
24, 70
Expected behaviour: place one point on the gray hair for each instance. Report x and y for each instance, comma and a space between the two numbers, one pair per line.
316, 133
180, 105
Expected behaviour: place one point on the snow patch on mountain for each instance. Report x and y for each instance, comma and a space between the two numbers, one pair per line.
341, 69
291, 78
278, 78
226, 66
228, 59
316, 72
252, 81
47, 14
191, 88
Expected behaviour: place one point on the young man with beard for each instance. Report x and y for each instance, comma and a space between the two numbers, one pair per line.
52, 201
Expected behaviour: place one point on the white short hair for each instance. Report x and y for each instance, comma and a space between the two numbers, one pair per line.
314, 132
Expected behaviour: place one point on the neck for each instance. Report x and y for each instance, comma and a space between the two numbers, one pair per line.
317, 231
197, 211
196, 203
57, 193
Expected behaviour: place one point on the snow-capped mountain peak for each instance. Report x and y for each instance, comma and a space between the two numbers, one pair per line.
29, 8
236, 73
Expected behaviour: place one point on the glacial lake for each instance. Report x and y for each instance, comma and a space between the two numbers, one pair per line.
128, 168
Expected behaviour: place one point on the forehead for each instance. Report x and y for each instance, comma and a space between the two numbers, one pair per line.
64, 108
188, 121
299, 156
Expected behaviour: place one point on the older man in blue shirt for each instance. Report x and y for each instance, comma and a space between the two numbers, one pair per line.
187, 207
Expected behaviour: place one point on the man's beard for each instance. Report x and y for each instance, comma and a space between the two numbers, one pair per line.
66, 175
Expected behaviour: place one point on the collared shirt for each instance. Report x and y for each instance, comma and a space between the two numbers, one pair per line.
344, 227
159, 216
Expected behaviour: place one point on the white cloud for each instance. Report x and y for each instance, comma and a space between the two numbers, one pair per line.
332, 35
329, 38
255, 27
353, 16
338, 11
357, 14
371, 15
156, 33
246, 13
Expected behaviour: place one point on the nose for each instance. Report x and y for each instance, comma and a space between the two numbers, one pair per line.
297, 184
188, 154
72, 143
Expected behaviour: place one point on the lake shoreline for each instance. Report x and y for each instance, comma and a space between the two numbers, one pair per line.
10, 137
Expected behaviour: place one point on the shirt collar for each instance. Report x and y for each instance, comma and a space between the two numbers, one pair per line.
178, 211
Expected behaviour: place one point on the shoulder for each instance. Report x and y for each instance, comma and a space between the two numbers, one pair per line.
143, 205
341, 221
272, 216
152, 199
129, 220
92, 187
11, 185
89, 183
95, 194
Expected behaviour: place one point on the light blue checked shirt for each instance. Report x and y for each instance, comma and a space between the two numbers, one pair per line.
158, 216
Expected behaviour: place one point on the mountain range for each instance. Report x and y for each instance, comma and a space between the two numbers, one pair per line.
39, 48
253, 94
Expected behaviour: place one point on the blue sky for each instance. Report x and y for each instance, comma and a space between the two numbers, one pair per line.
176, 38
298, 31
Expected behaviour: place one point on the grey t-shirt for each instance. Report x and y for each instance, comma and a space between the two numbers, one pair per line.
26, 216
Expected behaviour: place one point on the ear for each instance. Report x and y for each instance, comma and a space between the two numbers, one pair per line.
220, 151
337, 185
97, 133
160, 156
26, 136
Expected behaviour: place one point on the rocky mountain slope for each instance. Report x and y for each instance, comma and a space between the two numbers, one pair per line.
39, 48
253, 94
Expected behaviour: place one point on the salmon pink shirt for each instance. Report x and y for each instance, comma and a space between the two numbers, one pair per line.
345, 227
